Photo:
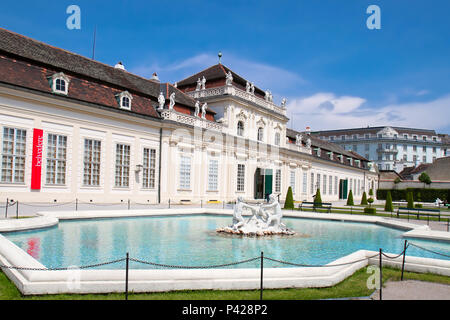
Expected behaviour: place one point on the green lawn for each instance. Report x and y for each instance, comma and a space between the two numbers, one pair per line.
354, 286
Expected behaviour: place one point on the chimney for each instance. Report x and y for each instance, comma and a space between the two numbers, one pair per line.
308, 130
155, 76
119, 65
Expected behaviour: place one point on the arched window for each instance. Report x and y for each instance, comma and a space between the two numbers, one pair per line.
260, 134
125, 102
240, 128
277, 138
60, 83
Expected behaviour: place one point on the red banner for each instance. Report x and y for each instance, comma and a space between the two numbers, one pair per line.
36, 163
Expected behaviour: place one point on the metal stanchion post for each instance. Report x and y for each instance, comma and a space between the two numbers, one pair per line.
17, 209
381, 274
6, 209
169, 203
262, 268
126, 278
403, 263
128, 204
76, 204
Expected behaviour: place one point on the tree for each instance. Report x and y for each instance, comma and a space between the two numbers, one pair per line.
289, 203
350, 199
388, 205
318, 199
425, 179
397, 181
364, 199
410, 199
370, 201
371, 192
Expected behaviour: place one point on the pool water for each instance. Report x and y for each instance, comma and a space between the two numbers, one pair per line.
192, 241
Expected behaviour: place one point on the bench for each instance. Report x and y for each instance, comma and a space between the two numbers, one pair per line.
419, 212
314, 206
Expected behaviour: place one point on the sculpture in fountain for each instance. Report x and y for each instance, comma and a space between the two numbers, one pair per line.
264, 220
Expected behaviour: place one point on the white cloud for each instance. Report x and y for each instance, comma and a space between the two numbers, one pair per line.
325, 111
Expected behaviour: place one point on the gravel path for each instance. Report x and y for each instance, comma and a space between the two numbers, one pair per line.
413, 290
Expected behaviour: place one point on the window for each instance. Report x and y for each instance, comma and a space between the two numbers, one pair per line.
324, 184
367, 136
359, 187
414, 158
260, 134
305, 182
13, 155
241, 177
335, 185
342, 137
414, 148
240, 128
213, 174
277, 138
415, 137
292, 181
185, 172
424, 158
56, 159
122, 165
312, 183
424, 149
278, 180
92, 154
330, 185
424, 138
405, 136
318, 182
434, 149
405, 157
124, 99
351, 184
355, 137
148, 168
60, 83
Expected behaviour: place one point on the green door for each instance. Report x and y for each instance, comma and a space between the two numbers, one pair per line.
268, 180
343, 189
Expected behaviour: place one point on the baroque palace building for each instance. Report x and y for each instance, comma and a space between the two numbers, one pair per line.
72, 127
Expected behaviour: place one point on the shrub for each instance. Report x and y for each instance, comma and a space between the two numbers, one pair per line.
418, 197
364, 199
410, 200
418, 205
289, 203
350, 201
370, 210
370, 201
318, 199
426, 195
388, 205
371, 192
425, 178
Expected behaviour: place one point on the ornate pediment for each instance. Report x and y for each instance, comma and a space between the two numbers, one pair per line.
387, 131
261, 122
242, 115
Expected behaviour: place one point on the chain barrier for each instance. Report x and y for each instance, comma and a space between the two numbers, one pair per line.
438, 253
193, 267
63, 269
320, 266
399, 255
46, 205
103, 204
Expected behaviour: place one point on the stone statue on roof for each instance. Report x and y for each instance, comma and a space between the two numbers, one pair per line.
308, 142
172, 101
252, 88
197, 108
203, 83
204, 107
298, 139
266, 96
270, 97
283, 102
161, 101
199, 85
229, 79
248, 87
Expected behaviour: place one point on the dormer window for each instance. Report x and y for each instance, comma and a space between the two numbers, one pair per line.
124, 98
60, 83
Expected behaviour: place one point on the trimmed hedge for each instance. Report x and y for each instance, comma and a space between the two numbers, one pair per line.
289, 203
388, 205
370, 210
426, 195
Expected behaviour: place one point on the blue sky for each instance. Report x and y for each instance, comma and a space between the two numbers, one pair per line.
335, 72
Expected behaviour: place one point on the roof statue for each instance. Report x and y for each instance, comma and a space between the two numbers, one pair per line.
283, 102
161, 101
229, 79
197, 108
248, 87
204, 107
266, 96
203, 83
172, 101
308, 142
298, 139
199, 85
252, 88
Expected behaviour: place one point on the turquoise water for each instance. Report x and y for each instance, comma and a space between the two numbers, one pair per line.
192, 241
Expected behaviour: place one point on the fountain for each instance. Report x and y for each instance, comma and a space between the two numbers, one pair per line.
265, 220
